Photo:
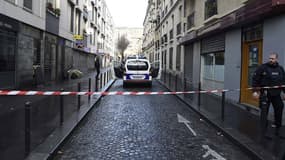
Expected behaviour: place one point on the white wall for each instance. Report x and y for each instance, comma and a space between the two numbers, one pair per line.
233, 63
274, 38
35, 18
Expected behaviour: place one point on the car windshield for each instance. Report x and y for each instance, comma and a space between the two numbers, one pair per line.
137, 65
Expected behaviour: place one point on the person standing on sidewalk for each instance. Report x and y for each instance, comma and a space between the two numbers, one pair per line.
269, 74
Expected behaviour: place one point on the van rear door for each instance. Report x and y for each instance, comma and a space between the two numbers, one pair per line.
155, 71
119, 69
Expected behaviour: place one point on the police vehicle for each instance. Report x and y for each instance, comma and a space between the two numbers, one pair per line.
137, 70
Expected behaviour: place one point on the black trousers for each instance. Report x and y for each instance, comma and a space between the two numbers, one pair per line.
278, 106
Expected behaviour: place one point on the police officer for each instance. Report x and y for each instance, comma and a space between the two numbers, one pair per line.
270, 74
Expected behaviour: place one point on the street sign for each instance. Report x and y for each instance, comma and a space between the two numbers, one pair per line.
78, 37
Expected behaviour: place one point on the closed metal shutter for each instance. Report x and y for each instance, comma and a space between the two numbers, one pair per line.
213, 44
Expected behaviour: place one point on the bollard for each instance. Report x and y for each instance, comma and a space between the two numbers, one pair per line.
96, 82
199, 96
169, 79
184, 84
101, 81
78, 97
108, 76
223, 105
61, 108
176, 82
27, 128
89, 89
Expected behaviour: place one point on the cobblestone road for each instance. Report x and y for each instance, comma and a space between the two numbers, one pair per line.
146, 127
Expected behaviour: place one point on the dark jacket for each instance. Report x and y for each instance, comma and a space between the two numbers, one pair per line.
269, 75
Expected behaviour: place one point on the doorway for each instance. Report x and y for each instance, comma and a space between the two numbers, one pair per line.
252, 58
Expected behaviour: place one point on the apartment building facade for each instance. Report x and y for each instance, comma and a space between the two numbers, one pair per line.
163, 28
222, 42
42, 39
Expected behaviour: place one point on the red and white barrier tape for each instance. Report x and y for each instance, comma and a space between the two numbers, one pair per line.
59, 93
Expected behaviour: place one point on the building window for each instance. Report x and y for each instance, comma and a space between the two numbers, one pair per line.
72, 18
78, 22
171, 58
178, 57
55, 3
253, 33
178, 29
212, 70
93, 12
52, 6
28, 4
190, 21
211, 8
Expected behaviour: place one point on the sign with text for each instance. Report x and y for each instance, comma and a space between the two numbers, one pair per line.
78, 37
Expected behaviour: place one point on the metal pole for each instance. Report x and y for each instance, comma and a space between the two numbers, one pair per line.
89, 89
199, 96
61, 108
223, 106
176, 79
27, 127
78, 97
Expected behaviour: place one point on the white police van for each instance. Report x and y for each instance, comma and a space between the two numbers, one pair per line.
136, 70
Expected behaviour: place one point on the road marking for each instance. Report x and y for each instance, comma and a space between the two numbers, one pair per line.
212, 153
181, 119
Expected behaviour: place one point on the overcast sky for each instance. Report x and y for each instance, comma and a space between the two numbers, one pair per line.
127, 13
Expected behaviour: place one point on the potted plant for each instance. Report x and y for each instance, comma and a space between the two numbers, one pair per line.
57, 11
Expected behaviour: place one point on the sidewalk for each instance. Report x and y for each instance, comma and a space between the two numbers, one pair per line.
241, 124
50, 145
45, 117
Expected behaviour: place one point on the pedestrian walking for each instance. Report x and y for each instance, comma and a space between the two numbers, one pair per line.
269, 74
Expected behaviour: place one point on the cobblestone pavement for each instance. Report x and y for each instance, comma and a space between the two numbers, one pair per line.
146, 127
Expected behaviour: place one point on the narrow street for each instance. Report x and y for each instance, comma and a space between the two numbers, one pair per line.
146, 127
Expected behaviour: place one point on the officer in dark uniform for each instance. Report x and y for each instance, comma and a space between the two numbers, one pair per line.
270, 74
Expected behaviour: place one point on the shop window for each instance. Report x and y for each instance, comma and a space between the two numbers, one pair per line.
211, 8
212, 67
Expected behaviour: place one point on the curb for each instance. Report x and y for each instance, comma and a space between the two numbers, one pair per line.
54, 141
244, 146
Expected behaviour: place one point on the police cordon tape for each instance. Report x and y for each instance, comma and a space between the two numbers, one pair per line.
64, 93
